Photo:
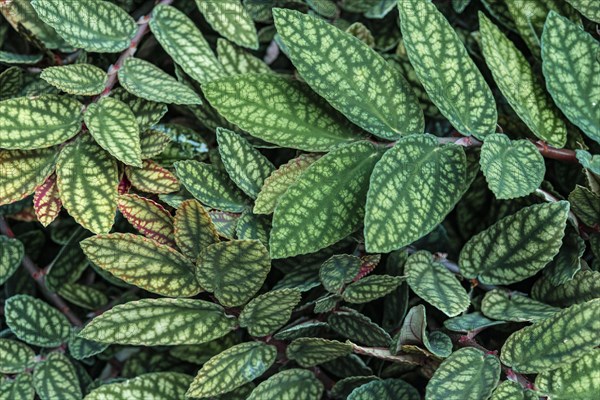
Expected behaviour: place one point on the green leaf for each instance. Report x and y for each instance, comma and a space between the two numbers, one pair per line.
356, 80
589, 161
579, 380
153, 142
312, 215
371, 288
563, 338
590, 9
156, 385
35, 322
85, 171
143, 262
145, 80
232, 368
267, 313
37, 122
238, 61
387, 389
112, 123
308, 352
414, 333
225, 223
11, 82
194, 230
358, 328
279, 181
160, 322
584, 286
11, 255
231, 20
568, 260
467, 374
55, 378
304, 120
338, 271
517, 246
511, 168
502, 305
84, 296
80, 348
19, 389
297, 384
470, 322
510, 390
14, 58
568, 81
586, 205
432, 282
94, 25
211, 186
448, 74
234, 271
147, 113
21, 172
16, 356
152, 178
253, 227
182, 40
246, 166
80, 79
417, 181
148, 217
46, 201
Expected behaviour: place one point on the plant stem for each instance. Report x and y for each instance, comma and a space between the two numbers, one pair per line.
38, 275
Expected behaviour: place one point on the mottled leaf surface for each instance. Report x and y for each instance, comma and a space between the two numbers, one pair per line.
231, 19
370, 288
239, 61
152, 178
579, 380
21, 172
80, 79
19, 389
16, 356
46, 201
55, 378
297, 384
387, 389
338, 271
152, 386
148, 217
590, 9
11, 255
584, 286
502, 305
268, 312
194, 229
308, 352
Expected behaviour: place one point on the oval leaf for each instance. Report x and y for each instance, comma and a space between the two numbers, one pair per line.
80, 79
21, 172
576, 381
308, 352
269, 312
387, 389
155, 385
16, 356
148, 217
11, 255
297, 384
504, 306
231, 20
194, 229
55, 378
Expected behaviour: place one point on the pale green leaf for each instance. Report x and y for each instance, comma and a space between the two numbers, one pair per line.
269, 312
371, 288
143, 262
147, 113
253, 227
37, 122
80, 348
584, 286
80, 79
349, 75
152, 386
152, 178
231, 20
153, 142
194, 229
510, 390
158, 322
387, 389
571, 66
16, 356
589, 161
21, 388
326, 203
563, 338
94, 25
358, 328
517, 246
297, 384
14, 58
55, 378
11, 255
148, 217
149, 82
338, 271
579, 380
303, 120
589, 8
238, 61
21, 172
505, 306
446, 70
308, 352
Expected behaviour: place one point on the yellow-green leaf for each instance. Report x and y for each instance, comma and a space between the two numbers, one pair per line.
152, 178
55, 378
80, 79
148, 217
584, 286
21, 172
579, 380
238, 61
194, 229
504, 306
269, 312
308, 352
297, 384
387, 389
589, 8
371, 288
16, 356
46, 201
21, 388
231, 20
152, 386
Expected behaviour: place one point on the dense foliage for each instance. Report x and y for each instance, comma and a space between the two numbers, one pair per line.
299, 199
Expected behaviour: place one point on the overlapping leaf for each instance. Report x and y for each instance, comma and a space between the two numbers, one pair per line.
356, 80
147, 113
358, 328
504, 306
83, 296
304, 120
155, 385
413, 332
584, 286
22, 13
11, 255
80, 348
579, 380
154, 322
21, 172
511, 390
297, 384
46, 201
143, 262
55, 378
387, 389
253, 227
11, 81
589, 161
308, 352
21, 388
152, 178
194, 229
448, 74
238, 61
371, 288
568, 260
269, 312
230, 19
80, 79
586, 205
338, 271
517, 246
590, 9
148, 217
16, 356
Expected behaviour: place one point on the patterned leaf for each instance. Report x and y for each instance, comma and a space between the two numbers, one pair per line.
83, 296
297, 384
149, 82
148, 217
234, 271
563, 338
14, 58
182, 40
502, 305
279, 181
510, 390
21, 172
238, 61
232, 368
80, 79
11, 81
35, 322
311, 215
147, 113
269, 312
512, 169
112, 123
338, 271
414, 333
432, 282
37, 122
517, 246
19, 389
520, 86
16, 356
154, 322
371, 288
156, 385
448, 74
11, 255
562, 43
153, 142
194, 230
246, 166
586, 205
253, 227
55, 378
94, 25
470, 322
467, 374
231, 20
347, 78
590, 9
417, 181
152, 178
46, 201
143, 262
358, 328
589, 161
387, 389
211, 186
308, 352
304, 120
305, 329
584, 286
87, 182
80, 348
568, 260
225, 223
578, 380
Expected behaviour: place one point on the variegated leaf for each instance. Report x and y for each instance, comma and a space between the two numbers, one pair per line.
578, 380
16, 356
338, 271
308, 352
21, 388
152, 178
80, 79
155, 385
230, 19
371, 288
504, 306
148, 217
238, 61
297, 384
266, 313
387, 389
584, 286
194, 229
55, 378
46, 201
21, 172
